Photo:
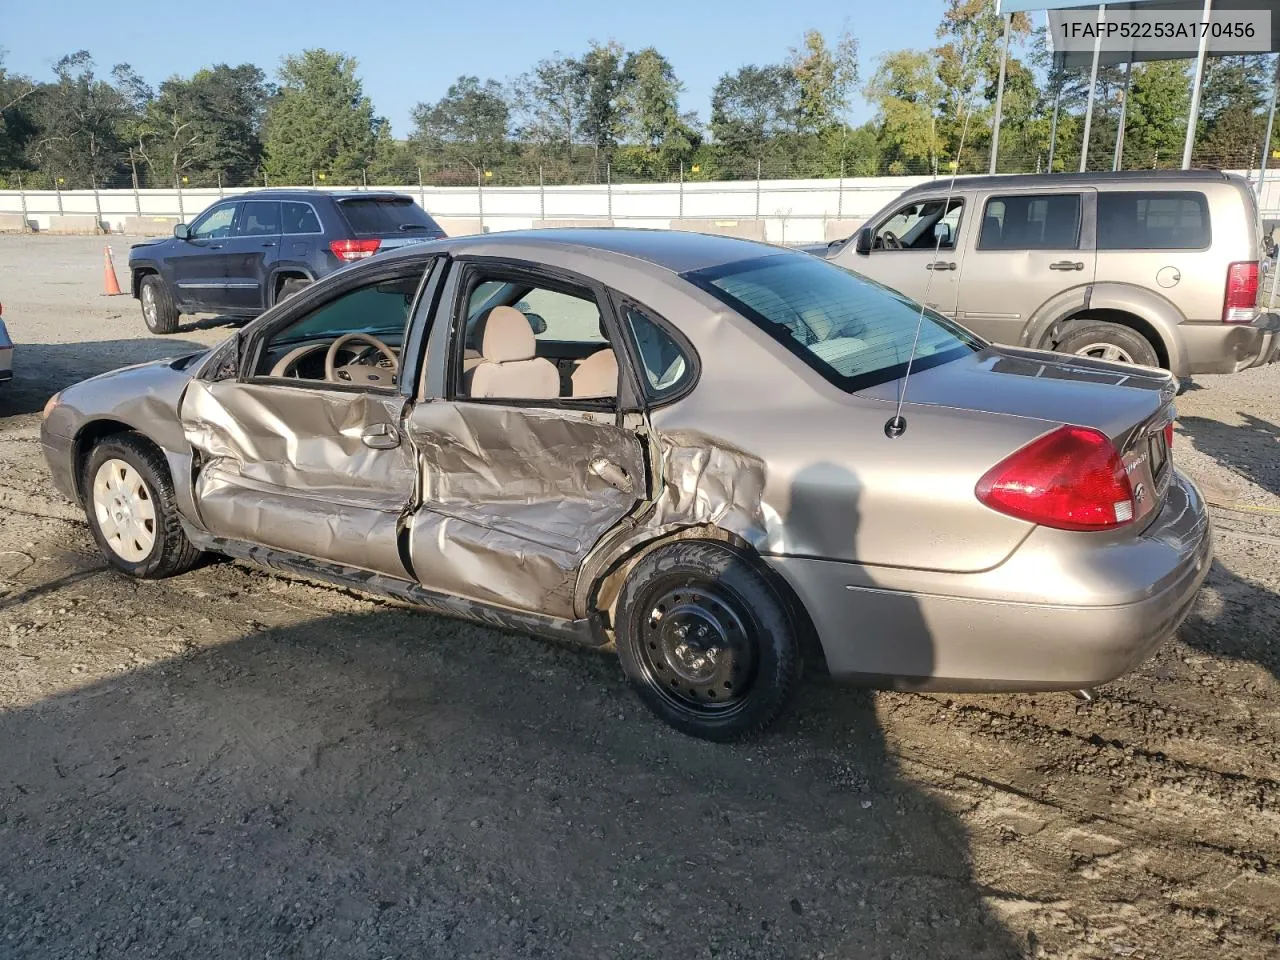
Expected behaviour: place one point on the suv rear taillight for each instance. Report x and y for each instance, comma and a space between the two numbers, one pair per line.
1072, 479
354, 249
1240, 305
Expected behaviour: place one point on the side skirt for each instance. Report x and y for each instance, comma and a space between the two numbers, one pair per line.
579, 632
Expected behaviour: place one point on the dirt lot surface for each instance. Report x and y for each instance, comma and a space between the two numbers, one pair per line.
232, 764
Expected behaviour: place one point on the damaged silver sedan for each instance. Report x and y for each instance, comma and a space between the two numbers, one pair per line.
695, 448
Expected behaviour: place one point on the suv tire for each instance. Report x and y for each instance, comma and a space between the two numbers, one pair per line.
159, 312
1109, 341
126, 479
291, 286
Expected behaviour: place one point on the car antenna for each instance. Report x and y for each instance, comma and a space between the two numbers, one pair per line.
896, 425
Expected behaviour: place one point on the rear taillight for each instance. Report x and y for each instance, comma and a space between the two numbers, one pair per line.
1240, 305
354, 249
1072, 479
1168, 435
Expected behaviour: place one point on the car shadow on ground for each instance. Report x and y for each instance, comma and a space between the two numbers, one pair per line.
1238, 621
42, 369
1251, 450
392, 784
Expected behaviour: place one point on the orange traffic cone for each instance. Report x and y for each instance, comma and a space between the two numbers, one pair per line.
109, 280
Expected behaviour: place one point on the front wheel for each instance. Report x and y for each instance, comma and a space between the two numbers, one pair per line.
705, 640
1109, 341
159, 312
130, 506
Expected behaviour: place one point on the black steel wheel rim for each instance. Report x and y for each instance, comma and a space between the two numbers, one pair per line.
695, 649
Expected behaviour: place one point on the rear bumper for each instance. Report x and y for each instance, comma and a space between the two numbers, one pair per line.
1119, 607
1229, 348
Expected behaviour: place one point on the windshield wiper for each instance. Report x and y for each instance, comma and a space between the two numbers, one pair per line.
411, 226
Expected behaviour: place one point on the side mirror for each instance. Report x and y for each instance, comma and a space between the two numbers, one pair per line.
863, 245
942, 233
182, 231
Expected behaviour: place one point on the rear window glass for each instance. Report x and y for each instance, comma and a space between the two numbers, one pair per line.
1031, 223
381, 216
854, 332
1168, 220
259, 218
299, 217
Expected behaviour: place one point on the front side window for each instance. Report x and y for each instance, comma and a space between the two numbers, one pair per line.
1150, 220
259, 218
1031, 222
913, 226
854, 332
215, 224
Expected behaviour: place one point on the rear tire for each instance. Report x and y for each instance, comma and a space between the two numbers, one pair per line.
159, 312
129, 502
291, 286
704, 638
1109, 341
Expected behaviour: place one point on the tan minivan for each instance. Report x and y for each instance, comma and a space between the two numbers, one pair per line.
1160, 268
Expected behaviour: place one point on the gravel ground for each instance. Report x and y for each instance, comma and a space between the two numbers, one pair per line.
233, 764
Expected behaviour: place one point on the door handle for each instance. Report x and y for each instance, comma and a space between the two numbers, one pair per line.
380, 436
1066, 265
611, 473
268, 243
940, 265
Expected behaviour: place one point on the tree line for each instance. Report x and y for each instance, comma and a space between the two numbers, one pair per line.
617, 113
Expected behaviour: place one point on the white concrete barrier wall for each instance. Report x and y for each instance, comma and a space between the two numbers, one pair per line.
793, 211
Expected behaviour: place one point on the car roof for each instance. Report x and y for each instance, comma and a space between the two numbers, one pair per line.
1021, 181
678, 251
304, 193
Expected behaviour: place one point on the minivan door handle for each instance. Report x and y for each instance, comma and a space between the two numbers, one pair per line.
940, 265
1066, 265
380, 436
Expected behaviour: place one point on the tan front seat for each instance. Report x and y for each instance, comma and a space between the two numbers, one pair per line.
597, 375
509, 368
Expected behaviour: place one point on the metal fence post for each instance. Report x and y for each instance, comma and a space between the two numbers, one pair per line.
137, 198
22, 197
364, 178
542, 195
220, 193
682, 189
57, 186
313, 179
480, 196
97, 202
422, 192
182, 213
840, 195
759, 167
608, 179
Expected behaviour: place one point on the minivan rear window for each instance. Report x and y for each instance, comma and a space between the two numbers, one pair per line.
854, 332
1153, 220
368, 216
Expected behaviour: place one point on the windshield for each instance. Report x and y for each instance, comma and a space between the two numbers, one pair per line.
383, 215
854, 332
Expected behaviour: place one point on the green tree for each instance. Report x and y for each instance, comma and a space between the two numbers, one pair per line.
470, 122
969, 59
826, 77
604, 83
17, 126
660, 136
551, 101
320, 120
753, 106
1156, 121
905, 91
82, 124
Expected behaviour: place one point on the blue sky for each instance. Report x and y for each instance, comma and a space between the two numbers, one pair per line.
411, 51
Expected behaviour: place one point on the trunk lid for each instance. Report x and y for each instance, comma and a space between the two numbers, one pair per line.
1131, 405
396, 221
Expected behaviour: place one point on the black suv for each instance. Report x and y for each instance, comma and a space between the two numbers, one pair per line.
250, 251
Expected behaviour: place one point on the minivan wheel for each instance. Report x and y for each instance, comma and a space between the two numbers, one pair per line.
129, 503
159, 312
704, 639
1109, 341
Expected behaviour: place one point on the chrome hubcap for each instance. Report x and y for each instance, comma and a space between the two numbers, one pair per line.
1105, 351
149, 304
124, 510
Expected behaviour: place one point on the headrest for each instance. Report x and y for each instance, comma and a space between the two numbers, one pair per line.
507, 336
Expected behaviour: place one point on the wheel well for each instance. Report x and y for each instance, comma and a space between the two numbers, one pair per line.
90, 435
138, 274
277, 281
1121, 318
608, 584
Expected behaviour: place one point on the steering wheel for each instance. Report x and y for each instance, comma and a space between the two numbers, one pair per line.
890, 240
357, 370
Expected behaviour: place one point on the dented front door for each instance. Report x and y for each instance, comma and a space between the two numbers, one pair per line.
513, 498
321, 472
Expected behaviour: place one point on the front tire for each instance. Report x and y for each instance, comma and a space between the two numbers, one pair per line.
159, 312
129, 503
1109, 341
704, 638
